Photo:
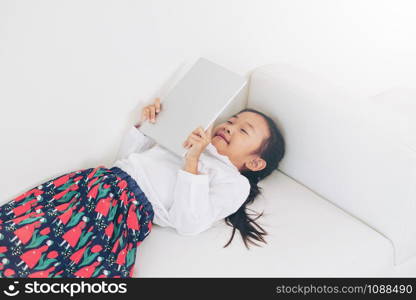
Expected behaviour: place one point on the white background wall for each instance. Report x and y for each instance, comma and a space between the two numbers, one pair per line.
74, 74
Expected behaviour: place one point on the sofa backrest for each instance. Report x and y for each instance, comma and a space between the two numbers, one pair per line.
340, 147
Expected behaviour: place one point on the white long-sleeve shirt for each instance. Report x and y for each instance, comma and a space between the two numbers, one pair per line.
188, 202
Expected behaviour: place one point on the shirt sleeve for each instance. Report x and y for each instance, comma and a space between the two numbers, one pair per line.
199, 203
134, 141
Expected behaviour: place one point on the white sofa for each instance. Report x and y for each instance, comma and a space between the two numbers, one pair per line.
343, 202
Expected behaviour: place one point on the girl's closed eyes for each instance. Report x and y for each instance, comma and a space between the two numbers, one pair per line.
240, 129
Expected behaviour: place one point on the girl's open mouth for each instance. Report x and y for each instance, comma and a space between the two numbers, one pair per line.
222, 138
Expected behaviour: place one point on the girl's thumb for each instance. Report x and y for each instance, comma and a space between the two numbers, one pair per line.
209, 130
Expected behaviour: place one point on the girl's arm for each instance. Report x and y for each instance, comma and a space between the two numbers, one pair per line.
191, 165
134, 141
199, 203
196, 142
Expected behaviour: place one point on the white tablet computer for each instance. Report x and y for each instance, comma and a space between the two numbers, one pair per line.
196, 100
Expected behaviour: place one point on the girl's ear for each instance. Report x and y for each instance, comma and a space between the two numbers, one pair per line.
256, 164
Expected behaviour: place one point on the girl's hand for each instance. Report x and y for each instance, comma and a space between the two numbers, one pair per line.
150, 112
197, 141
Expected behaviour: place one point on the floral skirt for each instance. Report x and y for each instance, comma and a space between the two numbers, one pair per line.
87, 223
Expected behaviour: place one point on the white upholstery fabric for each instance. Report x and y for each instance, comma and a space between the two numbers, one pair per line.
341, 147
308, 236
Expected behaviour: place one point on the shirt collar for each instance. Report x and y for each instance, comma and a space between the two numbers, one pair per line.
213, 150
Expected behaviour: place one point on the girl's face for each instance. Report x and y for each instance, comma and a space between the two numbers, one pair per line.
239, 137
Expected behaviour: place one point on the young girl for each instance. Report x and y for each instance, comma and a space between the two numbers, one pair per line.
89, 223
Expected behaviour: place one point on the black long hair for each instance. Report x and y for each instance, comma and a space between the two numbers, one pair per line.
272, 151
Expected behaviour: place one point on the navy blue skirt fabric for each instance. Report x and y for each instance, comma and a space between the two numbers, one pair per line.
86, 223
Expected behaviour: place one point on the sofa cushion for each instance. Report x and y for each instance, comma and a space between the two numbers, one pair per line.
354, 151
308, 236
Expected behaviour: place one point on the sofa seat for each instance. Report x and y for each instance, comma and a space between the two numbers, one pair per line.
308, 237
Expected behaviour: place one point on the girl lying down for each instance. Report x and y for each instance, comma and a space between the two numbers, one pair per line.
89, 222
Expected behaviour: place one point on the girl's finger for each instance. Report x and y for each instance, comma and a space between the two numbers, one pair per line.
144, 113
157, 105
194, 140
152, 113
148, 113
188, 145
196, 137
198, 134
199, 131
209, 130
